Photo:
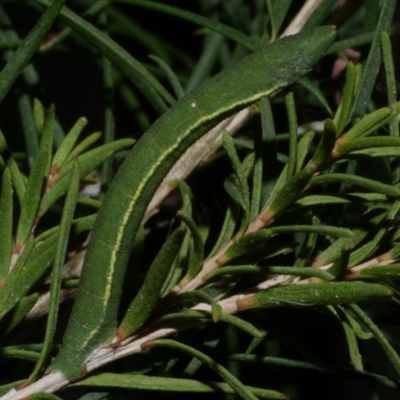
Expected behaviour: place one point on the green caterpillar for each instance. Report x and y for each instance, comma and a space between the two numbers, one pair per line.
93, 321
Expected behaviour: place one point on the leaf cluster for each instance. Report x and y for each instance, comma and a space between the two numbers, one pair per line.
301, 230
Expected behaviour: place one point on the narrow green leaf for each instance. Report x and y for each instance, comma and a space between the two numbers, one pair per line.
32, 196
340, 265
354, 351
165, 385
320, 14
92, 11
342, 114
370, 184
232, 187
360, 333
359, 40
227, 318
320, 229
244, 244
82, 224
39, 173
212, 339
370, 123
82, 146
59, 260
27, 48
376, 152
236, 385
237, 269
257, 176
391, 85
394, 253
300, 271
18, 313
227, 228
47, 135
134, 105
380, 272
265, 148
68, 143
8, 287
212, 25
309, 244
325, 145
243, 325
291, 271
87, 163
280, 10
179, 266
91, 159
347, 198
144, 302
368, 143
318, 367
28, 124
147, 37
19, 352
390, 77
289, 192
3, 143
369, 248
172, 78
34, 263
390, 351
254, 343
197, 256
357, 80
38, 112
186, 196
371, 69
303, 148
271, 14
371, 15
239, 180
292, 118
278, 185
248, 164
17, 180
6, 223
374, 217
199, 296
315, 90
331, 293
89, 202
238, 168
109, 108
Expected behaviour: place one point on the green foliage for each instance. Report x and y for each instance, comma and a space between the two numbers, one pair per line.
293, 245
